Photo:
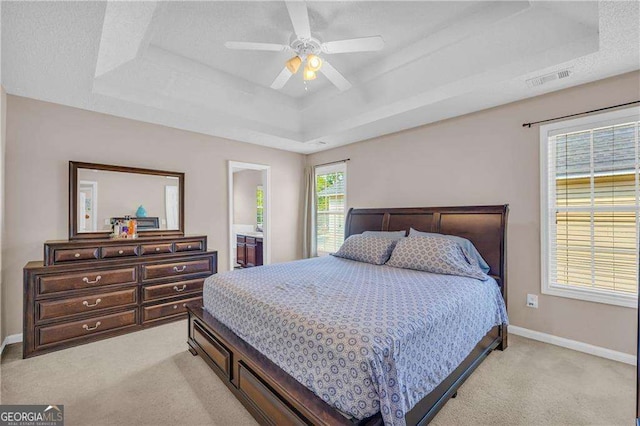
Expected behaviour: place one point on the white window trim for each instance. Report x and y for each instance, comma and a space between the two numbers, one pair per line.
332, 168
554, 289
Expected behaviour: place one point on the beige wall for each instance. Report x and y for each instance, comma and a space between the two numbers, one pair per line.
489, 158
3, 126
42, 138
481, 158
245, 183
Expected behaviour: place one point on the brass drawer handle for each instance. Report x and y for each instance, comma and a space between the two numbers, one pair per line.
175, 268
157, 248
86, 327
175, 306
120, 251
76, 255
184, 305
88, 305
189, 246
86, 280
175, 287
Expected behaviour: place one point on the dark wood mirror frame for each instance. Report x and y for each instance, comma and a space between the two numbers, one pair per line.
73, 200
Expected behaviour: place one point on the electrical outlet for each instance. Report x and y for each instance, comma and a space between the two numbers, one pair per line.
532, 301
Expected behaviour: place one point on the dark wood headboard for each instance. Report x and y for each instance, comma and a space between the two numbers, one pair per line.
485, 226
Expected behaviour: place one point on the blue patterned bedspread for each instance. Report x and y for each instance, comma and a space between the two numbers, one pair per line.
364, 338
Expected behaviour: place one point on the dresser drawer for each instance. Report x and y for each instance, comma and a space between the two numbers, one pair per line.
76, 305
173, 269
250, 240
189, 246
89, 279
147, 249
161, 291
164, 310
84, 328
71, 255
119, 251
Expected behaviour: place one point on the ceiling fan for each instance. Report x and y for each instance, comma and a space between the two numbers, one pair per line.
308, 49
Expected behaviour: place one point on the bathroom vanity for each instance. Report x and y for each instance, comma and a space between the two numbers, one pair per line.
249, 249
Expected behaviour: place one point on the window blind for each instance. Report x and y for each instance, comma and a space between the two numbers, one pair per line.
330, 188
594, 203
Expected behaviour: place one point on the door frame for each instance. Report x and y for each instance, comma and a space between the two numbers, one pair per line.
94, 202
266, 226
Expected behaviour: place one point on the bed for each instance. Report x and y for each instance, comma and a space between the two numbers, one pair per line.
301, 342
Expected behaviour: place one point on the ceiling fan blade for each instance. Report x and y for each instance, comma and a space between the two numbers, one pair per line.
299, 18
334, 76
281, 79
364, 44
247, 45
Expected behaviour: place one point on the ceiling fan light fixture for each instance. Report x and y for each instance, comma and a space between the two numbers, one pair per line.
293, 64
309, 74
314, 63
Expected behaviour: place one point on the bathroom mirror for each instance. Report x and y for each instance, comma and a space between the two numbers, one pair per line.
100, 193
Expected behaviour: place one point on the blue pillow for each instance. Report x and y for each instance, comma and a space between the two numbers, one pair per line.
435, 254
464, 243
392, 235
365, 248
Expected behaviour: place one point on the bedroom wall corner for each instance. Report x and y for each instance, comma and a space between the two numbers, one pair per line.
487, 157
3, 126
41, 139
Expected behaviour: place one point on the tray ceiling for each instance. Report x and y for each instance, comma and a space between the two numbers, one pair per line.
165, 62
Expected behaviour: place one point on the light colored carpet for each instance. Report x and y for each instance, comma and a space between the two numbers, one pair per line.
149, 378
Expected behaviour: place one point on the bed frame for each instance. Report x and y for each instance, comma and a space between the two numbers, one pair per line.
273, 397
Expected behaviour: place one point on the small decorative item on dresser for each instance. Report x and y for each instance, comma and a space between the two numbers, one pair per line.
141, 212
126, 227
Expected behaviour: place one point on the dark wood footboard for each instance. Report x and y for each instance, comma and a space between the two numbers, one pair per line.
273, 397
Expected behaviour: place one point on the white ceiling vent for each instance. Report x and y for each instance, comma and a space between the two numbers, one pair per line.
556, 75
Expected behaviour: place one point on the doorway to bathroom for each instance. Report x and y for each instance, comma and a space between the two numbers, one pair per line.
249, 215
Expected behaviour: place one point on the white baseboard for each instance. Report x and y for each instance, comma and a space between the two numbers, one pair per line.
14, 338
573, 344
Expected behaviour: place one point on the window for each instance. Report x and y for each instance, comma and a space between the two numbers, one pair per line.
331, 205
590, 208
259, 206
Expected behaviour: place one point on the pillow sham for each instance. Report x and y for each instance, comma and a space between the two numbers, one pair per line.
394, 235
367, 249
435, 254
466, 245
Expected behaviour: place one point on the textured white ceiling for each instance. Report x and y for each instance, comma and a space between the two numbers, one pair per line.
165, 62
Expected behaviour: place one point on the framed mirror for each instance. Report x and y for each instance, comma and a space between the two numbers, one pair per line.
100, 193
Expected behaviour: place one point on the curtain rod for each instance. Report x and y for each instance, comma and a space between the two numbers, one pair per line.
580, 113
333, 162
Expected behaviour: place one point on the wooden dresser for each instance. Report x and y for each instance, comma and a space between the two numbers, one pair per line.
87, 290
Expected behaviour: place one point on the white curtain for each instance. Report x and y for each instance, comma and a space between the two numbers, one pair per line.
309, 232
